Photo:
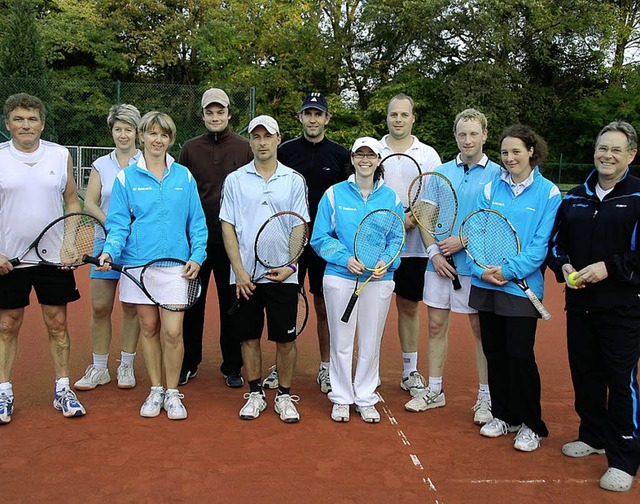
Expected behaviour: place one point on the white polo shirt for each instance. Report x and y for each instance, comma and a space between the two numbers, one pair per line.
248, 200
428, 159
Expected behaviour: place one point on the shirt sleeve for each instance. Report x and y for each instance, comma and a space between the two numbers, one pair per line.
118, 221
324, 239
196, 225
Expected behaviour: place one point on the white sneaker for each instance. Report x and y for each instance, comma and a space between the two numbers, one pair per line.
271, 381
496, 428
173, 405
153, 403
526, 440
256, 403
67, 402
286, 408
482, 409
616, 480
93, 376
415, 383
340, 413
577, 449
427, 399
126, 377
324, 381
368, 413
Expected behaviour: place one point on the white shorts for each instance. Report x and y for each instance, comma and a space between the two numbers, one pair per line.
439, 293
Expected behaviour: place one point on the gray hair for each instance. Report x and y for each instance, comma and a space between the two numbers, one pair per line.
125, 113
623, 127
160, 119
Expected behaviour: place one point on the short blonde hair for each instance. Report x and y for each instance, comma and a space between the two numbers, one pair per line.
470, 114
160, 119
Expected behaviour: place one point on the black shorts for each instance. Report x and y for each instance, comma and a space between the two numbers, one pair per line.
313, 264
53, 286
280, 301
409, 278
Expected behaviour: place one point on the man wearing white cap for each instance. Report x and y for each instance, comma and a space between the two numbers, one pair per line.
251, 195
322, 162
210, 158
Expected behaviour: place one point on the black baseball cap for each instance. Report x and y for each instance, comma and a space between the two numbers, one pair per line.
316, 101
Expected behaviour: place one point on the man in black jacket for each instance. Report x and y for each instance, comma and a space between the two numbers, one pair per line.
210, 158
594, 248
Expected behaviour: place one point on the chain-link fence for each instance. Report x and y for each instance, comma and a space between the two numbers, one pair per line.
77, 111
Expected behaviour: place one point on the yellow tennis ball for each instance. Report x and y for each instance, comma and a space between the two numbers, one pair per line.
573, 278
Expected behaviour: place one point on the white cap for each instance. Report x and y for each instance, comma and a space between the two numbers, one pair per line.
215, 95
372, 143
268, 122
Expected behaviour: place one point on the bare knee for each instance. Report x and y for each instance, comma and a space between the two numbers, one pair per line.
406, 307
10, 322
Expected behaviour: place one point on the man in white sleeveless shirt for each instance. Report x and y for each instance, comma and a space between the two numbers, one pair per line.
36, 184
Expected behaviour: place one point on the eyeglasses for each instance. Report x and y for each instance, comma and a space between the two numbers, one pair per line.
359, 156
616, 151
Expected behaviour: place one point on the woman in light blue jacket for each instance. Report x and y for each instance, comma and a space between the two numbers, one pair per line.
340, 211
507, 318
155, 212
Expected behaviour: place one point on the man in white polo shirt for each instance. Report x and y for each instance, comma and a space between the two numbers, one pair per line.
251, 195
36, 183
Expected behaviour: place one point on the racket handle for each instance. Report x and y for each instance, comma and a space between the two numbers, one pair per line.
455, 280
537, 304
14, 262
94, 260
347, 311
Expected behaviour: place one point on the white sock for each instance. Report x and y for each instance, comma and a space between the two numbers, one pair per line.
410, 362
435, 384
483, 390
100, 361
127, 358
62, 384
170, 391
6, 388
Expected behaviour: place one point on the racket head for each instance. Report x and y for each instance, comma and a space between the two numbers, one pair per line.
399, 171
434, 203
162, 281
489, 238
68, 239
303, 311
281, 239
379, 237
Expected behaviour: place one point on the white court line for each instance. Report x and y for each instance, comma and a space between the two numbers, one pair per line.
525, 482
405, 441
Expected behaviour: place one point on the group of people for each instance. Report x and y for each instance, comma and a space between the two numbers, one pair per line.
207, 208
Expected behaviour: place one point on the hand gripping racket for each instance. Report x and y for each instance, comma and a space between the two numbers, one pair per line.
65, 241
399, 171
490, 239
280, 241
379, 238
162, 282
434, 205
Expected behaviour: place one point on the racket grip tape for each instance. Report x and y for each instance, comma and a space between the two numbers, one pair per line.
347, 311
455, 280
94, 260
538, 304
14, 262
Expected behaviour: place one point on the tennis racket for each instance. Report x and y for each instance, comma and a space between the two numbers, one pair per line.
379, 237
490, 239
65, 241
280, 241
303, 311
162, 282
399, 171
434, 205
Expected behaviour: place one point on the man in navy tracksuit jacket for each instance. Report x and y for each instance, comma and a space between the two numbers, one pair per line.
596, 236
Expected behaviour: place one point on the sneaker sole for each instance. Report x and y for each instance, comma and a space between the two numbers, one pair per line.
340, 419
426, 407
126, 386
582, 453
77, 413
84, 388
286, 420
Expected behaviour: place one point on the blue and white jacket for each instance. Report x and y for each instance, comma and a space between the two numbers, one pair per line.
532, 214
340, 212
149, 218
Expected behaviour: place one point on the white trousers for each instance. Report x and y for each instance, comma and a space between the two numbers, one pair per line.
368, 317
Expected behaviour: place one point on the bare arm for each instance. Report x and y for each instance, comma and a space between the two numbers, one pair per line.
244, 286
92, 197
70, 195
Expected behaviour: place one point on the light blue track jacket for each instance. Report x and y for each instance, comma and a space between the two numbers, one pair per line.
149, 219
340, 212
532, 214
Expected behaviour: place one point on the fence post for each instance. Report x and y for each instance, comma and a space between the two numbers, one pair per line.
252, 102
118, 83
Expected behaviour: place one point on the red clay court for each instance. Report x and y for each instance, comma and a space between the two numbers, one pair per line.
437, 456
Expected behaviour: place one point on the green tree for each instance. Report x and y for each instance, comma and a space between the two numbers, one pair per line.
21, 52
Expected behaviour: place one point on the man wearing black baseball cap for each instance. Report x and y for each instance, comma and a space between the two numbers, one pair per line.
323, 163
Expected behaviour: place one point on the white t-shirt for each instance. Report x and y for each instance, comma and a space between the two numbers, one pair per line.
400, 178
31, 194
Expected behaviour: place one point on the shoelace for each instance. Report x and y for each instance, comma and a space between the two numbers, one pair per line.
287, 401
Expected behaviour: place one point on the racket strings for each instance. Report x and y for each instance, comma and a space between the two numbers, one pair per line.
436, 203
380, 237
281, 240
490, 238
166, 286
69, 239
